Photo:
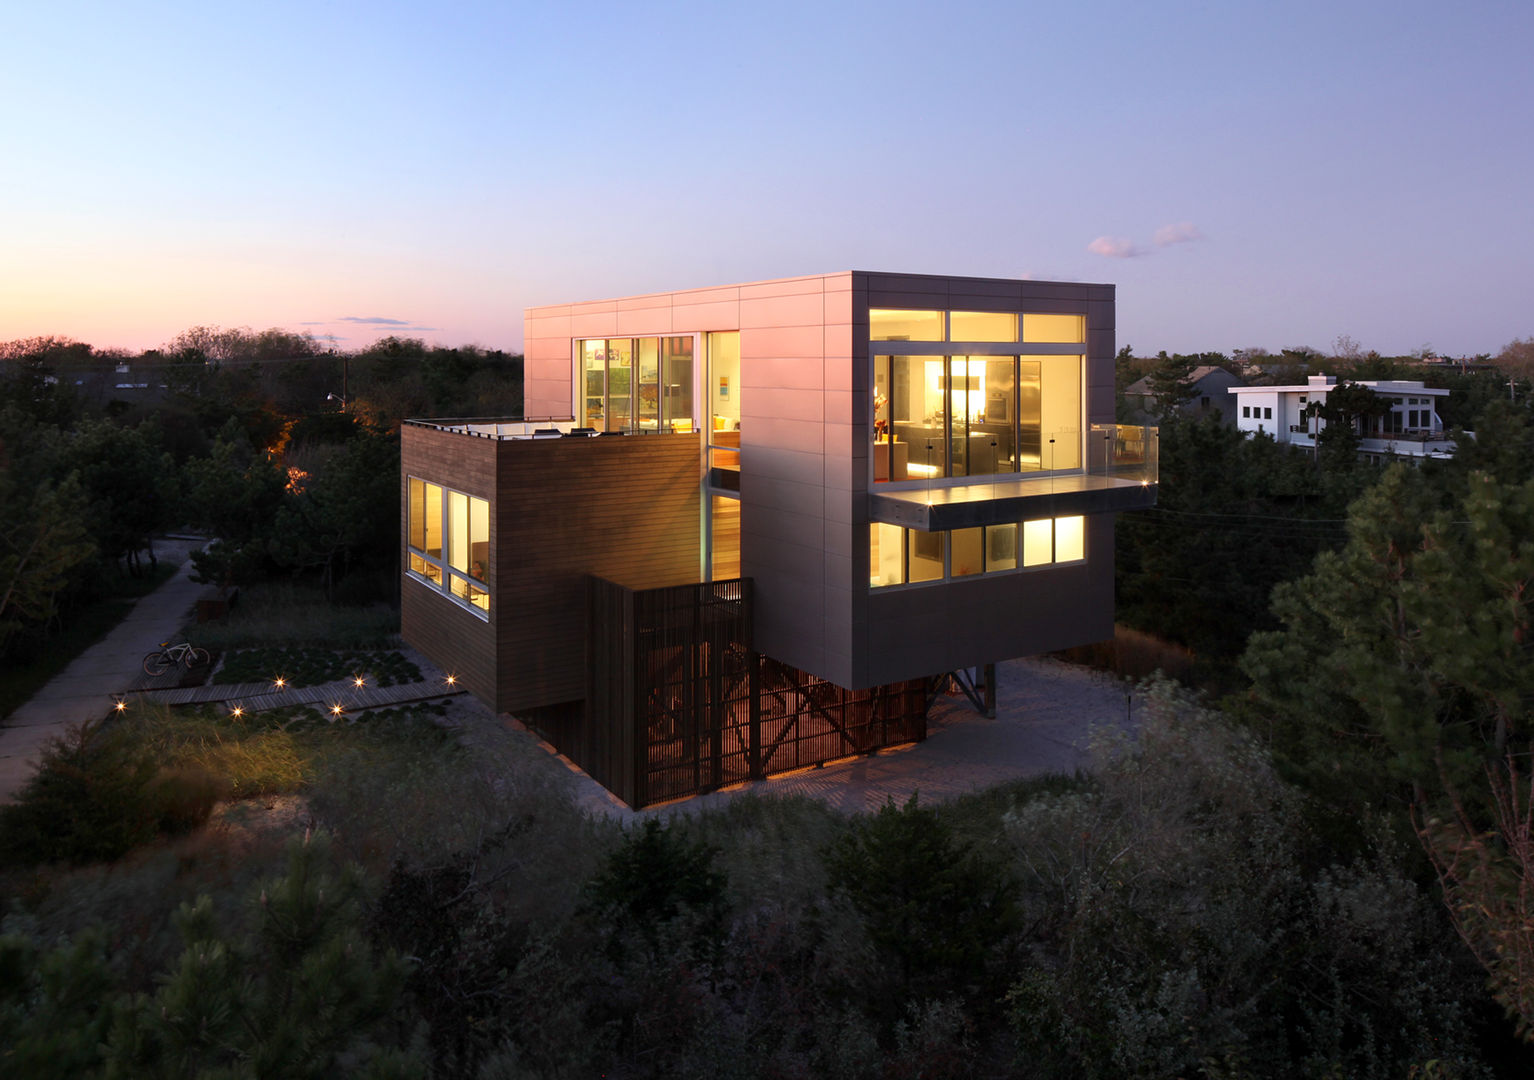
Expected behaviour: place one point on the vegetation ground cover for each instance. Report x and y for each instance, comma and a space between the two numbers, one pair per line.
301, 666
1168, 915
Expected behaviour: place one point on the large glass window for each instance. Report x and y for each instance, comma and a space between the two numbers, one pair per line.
449, 550
936, 417
898, 556
637, 384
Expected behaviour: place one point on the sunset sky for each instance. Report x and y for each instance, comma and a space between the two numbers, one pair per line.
1266, 173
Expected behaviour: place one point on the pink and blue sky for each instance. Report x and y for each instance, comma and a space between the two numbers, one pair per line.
1248, 173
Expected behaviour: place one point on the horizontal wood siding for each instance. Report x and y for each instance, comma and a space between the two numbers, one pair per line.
623, 508
455, 639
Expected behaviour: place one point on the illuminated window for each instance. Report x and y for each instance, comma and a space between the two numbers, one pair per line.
462, 533
898, 556
981, 326
889, 324
936, 417
637, 384
1059, 329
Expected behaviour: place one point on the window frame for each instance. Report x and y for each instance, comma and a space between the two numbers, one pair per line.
440, 572
947, 350
945, 543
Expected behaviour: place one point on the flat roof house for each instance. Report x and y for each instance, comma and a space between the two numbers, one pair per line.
827, 491
1410, 428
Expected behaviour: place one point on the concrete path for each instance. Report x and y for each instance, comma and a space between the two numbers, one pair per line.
1047, 715
84, 690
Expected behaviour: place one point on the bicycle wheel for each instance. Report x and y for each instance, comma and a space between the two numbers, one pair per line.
156, 663
197, 657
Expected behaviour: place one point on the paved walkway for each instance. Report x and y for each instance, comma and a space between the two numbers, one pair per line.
1047, 714
85, 689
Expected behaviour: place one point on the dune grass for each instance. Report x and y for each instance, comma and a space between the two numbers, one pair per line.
284, 615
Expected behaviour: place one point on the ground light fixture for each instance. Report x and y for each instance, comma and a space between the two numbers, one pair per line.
358, 680
451, 680
336, 710
237, 712
279, 682
119, 705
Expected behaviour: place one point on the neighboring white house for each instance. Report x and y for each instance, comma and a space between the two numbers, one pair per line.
1411, 429
1209, 384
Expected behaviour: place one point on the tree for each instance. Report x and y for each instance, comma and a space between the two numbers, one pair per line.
344, 512
1517, 358
1403, 657
236, 492
933, 907
1235, 516
43, 541
1346, 413
300, 994
1487, 876
130, 483
1171, 382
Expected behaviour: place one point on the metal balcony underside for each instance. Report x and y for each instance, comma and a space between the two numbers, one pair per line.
938, 509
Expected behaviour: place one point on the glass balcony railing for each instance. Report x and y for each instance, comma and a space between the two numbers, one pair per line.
1124, 452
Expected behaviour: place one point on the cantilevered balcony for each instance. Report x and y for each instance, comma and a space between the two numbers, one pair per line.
1121, 474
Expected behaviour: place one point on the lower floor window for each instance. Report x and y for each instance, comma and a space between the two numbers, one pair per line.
448, 537
899, 556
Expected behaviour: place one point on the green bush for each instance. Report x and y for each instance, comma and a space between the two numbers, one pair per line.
98, 792
935, 910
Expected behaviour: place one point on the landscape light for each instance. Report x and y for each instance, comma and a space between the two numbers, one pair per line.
279, 682
452, 680
120, 705
358, 681
237, 712
335, 710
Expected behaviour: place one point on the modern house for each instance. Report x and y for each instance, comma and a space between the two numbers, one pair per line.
1410, 428
748, 526
1210, 385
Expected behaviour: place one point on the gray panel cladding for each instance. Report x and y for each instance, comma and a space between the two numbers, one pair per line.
928, 629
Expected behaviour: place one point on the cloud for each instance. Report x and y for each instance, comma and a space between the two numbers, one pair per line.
1183, 232
373, 320
1114, 247
1121, 247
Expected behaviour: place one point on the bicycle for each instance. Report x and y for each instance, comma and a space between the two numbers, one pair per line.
157, 663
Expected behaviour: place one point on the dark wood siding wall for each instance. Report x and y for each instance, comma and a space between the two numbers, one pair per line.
623, 508
457, 640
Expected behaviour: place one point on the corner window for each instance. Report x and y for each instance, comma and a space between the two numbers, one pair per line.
448, 537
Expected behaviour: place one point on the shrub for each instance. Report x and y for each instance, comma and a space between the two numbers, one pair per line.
933, 907
656, 877
92, 797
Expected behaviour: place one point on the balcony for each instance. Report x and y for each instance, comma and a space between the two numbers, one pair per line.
1121, 474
